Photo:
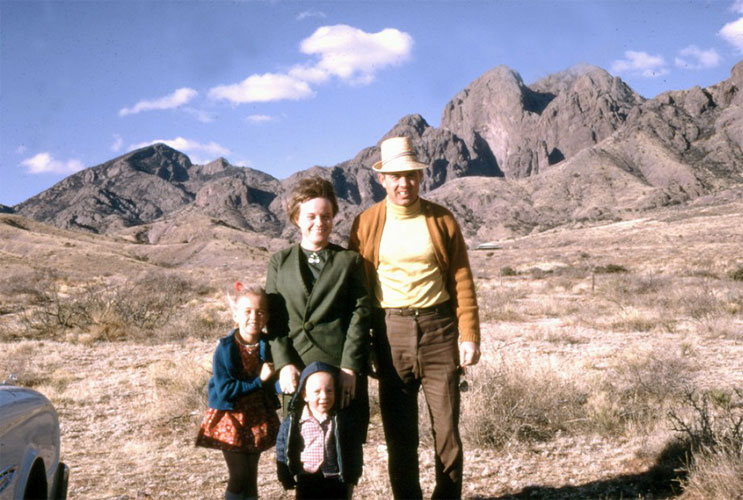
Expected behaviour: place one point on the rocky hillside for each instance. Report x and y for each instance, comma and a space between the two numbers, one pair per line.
509, 158
528, 128
151, 183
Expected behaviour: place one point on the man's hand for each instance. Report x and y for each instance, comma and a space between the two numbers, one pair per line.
469, 353
348, 386
288, 379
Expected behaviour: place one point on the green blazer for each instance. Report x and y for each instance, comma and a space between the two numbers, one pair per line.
330, 323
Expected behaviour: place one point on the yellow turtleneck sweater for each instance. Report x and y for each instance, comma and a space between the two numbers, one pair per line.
408, 273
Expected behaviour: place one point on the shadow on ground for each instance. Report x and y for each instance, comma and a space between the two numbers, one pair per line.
662, 480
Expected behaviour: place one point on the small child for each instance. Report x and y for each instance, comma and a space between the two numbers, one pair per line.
309, 452
241, 419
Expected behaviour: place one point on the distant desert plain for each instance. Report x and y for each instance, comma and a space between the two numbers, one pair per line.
600, 344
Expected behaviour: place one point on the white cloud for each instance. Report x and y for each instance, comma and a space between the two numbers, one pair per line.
188, 146
309, 73
200, 115
242, 162
640, 63
340, 51
733, 33
178, 98
263, 88
354, 55
259, 118
43, 163
737, 6
692, 57
117, 144
310, 13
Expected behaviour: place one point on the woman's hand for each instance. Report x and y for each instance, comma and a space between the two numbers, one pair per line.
288, 379
266, 371
348, 386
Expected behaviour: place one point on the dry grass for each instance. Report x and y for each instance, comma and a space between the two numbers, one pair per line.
518, 402
711, 426
590, 337
143, 307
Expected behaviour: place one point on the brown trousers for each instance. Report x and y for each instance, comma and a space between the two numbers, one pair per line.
414, 352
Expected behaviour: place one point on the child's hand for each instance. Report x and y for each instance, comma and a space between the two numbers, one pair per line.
266, 371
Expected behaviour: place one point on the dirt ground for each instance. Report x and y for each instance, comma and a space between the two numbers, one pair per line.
129, 411
119, 446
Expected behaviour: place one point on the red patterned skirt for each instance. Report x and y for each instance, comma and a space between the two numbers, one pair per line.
251, 426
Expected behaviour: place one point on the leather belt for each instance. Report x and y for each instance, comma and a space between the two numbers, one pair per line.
442, 309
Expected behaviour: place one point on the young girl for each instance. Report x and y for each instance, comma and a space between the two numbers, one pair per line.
241, 419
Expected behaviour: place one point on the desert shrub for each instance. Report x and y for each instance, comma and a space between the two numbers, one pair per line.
53, 308
508, 271
150, 302
737, 274
700, 302
638, 390
712, 425
630, 319
196, 324
710, 419
515, 402
27, 364
133, 309
610, 269
717, 475
632, 289
500, 303
177, 394
538, 273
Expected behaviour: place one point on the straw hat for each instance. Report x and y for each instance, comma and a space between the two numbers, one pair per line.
398, 155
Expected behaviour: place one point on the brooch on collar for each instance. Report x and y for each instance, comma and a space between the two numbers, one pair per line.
313, 258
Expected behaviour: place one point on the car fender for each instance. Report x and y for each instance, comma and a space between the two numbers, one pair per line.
29, 434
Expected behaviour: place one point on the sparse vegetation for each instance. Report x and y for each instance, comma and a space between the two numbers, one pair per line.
508, 271
610, 269
711, 425
518, 401
580, 368
514, 402
178, 393
138, 308
737, 274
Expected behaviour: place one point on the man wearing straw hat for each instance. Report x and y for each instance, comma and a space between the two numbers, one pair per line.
426, 322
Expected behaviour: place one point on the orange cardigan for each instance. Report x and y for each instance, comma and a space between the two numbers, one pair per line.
451, 256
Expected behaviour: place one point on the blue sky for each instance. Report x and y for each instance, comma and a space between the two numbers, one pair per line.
281, 86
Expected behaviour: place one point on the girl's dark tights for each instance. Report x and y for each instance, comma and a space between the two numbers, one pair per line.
243, 469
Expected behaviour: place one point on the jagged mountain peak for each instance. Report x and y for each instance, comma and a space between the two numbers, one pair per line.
736, 74
579, 78
590, 146
158, 159
501, 74
413, 126
215, 167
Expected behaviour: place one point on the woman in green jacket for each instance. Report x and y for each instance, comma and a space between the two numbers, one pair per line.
318, 302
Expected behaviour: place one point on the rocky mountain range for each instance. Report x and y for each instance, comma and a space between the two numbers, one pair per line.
577, 146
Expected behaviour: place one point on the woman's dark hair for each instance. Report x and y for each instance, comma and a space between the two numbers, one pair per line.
308, 189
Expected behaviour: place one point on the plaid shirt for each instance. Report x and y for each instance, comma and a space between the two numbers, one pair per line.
319, 444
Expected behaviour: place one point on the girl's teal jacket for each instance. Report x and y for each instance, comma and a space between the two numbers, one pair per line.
226, 384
